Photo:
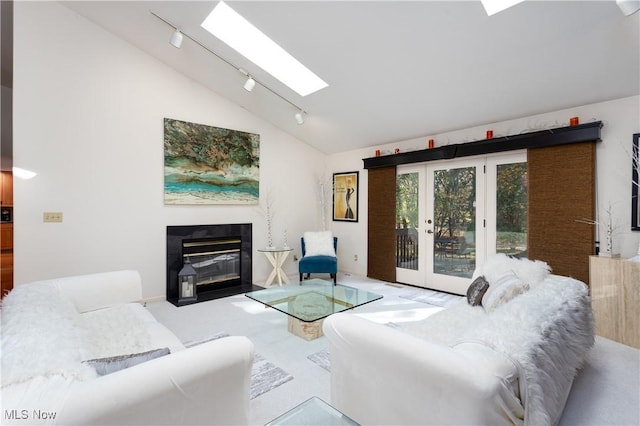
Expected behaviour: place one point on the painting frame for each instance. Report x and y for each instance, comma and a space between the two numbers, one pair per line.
345, 191
209, 165
635, 183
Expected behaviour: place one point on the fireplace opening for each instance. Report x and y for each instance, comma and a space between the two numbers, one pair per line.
215, 261
220, 255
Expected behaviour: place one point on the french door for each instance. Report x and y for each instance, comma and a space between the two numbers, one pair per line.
452, 214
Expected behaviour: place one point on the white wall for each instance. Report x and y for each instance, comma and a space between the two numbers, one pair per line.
621, 119
88, 110
88, 118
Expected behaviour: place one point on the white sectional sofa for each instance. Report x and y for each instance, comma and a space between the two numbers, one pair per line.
512, 363
50, 329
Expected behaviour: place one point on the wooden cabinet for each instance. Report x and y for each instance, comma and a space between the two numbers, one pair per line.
6, 236
6, 197
6, 272
6, 257
615, 297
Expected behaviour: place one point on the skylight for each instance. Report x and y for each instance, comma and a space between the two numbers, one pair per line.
227, 25
494, 6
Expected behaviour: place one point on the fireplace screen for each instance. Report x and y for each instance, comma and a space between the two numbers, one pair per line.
220, 254
215, 261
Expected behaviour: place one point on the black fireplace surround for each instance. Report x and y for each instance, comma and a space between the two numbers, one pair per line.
178, 235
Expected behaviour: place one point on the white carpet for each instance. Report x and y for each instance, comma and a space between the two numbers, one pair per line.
606, 393
431, 297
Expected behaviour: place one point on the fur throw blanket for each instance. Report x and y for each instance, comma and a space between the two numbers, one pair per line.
44, 336
547, 332
41, 336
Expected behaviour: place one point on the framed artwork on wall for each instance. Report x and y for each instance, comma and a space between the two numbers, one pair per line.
635, 184
345, 197
210, 165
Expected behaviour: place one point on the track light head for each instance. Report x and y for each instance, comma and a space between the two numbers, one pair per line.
249, 84
176, 39
299, 117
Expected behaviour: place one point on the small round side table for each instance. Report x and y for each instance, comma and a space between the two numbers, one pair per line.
276, 256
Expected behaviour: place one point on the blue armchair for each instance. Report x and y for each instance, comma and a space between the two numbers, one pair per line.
318, 264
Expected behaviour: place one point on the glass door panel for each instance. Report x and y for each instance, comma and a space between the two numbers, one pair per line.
407, 221
409, 233
511, 209
452, 223
507, 204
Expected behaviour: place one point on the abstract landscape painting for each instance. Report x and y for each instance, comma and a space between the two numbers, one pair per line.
210, 165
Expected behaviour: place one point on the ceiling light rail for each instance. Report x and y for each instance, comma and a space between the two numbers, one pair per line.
176, 41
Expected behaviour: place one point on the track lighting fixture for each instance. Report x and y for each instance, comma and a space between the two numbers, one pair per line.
249, 84
176, 39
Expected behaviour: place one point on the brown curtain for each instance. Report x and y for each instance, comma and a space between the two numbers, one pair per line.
561, 192
381, 262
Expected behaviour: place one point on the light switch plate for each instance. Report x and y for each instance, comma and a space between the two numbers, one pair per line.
52, 217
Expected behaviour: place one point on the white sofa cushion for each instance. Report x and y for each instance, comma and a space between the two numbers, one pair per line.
319, 244
116, 331
126, 329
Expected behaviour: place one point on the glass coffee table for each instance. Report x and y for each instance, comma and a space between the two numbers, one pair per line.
313, 411
308, 304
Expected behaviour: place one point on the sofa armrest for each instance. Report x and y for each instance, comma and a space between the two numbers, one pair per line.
204, 385
380, 375
102, 290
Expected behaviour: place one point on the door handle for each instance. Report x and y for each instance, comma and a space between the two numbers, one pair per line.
429, 231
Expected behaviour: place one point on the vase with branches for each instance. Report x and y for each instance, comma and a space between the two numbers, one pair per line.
267, 211
610, 229
325, 187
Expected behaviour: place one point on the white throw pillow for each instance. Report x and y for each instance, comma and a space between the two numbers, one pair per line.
502, 290
530, 271
319, 244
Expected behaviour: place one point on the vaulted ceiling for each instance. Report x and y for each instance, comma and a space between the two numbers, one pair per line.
398, 70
